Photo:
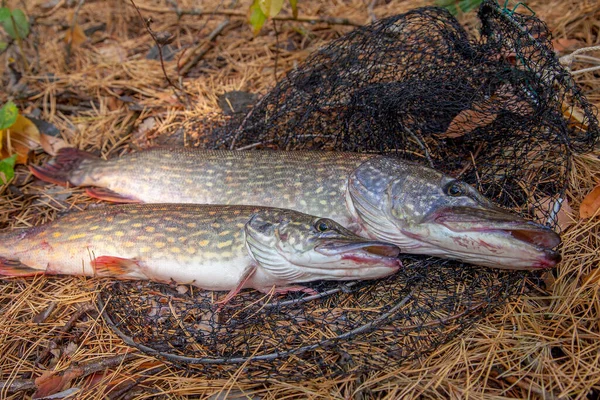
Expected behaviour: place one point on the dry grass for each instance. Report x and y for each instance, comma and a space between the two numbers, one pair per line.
544, 345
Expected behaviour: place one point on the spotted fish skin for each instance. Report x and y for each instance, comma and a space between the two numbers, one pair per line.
311, 182
204, 245
417, 208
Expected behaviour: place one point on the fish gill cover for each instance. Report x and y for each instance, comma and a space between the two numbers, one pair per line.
498, 111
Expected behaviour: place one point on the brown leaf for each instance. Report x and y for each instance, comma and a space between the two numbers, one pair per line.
75, 36
466, 121
590, 204
564, 45
564, 218
52, 382
51, 144
21, 137
575, 117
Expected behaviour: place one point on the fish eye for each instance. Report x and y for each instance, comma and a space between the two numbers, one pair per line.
322, 226
454, 189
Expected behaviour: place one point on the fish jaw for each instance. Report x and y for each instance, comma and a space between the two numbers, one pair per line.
486, 237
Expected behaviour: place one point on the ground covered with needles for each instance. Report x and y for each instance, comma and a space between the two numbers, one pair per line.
107, 93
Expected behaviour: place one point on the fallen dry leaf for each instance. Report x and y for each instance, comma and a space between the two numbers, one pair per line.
563, 45
575, 117
564, 217
51, 144
51, 382
20, 138
590, 204
484, 113
466, 121
75, 36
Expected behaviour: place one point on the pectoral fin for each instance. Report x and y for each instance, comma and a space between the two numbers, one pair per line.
246, 275
16, 268
109, 195
121, 268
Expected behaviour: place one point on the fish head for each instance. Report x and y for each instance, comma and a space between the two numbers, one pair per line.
300, 248
424, 211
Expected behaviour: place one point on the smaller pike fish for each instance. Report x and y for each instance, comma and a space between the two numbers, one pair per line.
212, 247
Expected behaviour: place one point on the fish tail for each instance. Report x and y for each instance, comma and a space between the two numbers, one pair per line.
16, 268
68, 167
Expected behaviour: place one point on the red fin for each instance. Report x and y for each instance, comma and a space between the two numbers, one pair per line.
288, 289
248, 272
15, 268
115, 266
62, 168
109, 195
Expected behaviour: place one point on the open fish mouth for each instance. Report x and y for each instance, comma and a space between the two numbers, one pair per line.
363, 252
497, 222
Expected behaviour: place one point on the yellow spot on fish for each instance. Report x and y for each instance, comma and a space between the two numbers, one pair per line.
319, 190
191, 224
209, 184
128, 244
145, 249
171, 240
226, 254
159, 245
149, 229
77, 236
110, 219
119, 233
215, 225
240, 225
175, 250
190, 250
224, 244
56, 234
323, 202
137, 225
93, 228
224, 233
97, 237
171, 229
203, 243
124, 221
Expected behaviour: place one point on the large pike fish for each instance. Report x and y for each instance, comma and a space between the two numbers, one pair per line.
212, 247
417, 208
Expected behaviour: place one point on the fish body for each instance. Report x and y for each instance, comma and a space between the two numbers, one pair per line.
212, 247
421, 210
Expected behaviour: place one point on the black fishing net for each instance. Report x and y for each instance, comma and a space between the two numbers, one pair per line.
496, 110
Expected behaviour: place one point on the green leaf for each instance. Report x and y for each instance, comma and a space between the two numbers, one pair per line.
18, 21
294, 4
270, 7
5, 14
3, 45
257, 17
463, 5
7, 169
8, 115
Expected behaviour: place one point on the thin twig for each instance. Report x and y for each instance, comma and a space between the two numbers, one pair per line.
238, 14
160, 55
87, 307
421, 145
72, 30
205, 47
75, 370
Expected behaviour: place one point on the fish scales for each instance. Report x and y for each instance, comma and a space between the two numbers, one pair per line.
314, 183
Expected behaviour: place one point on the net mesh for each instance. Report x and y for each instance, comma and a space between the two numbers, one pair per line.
498, 111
